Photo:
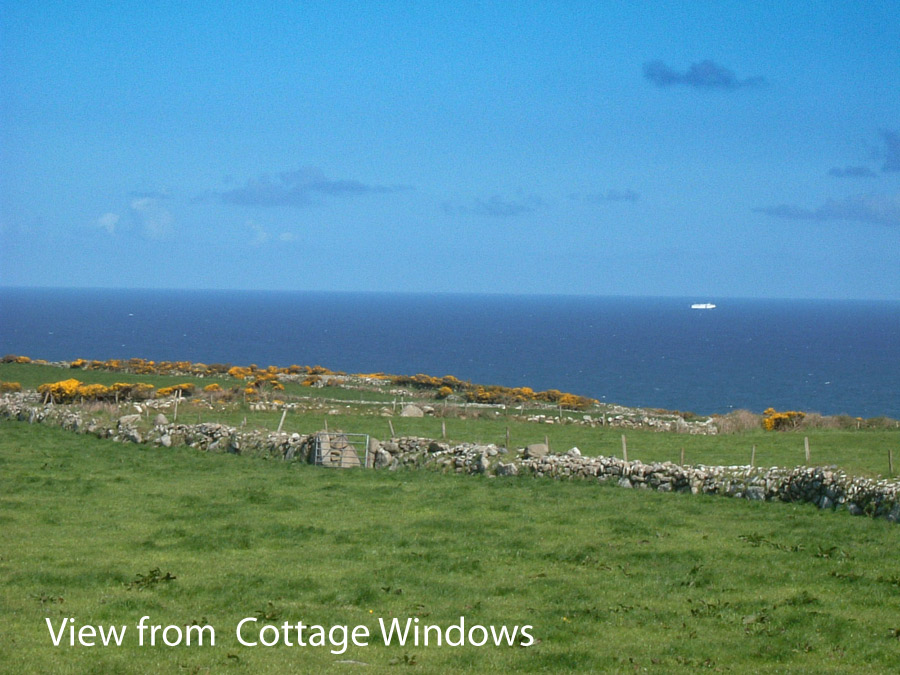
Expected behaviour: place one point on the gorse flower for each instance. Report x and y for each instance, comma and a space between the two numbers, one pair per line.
185, 389
779, 421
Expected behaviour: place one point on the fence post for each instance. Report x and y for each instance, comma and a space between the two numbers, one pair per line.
624, 448
753, 457
806, 448
281, 423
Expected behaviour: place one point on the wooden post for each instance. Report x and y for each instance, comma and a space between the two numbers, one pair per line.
624, 448
806, 448
507, 438
177, 398
547, 442
281, 423
391, 425
326, 425
682, 455
753, 456
891, 461
444, 430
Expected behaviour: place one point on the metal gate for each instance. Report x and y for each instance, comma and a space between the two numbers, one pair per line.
341, 451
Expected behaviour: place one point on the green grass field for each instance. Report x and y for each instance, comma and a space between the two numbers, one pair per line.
861, 452
611, 580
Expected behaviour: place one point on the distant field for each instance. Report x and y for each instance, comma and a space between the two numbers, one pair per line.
610, 579
32, 375
861, 452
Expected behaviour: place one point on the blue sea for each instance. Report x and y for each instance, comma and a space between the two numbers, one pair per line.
830, 357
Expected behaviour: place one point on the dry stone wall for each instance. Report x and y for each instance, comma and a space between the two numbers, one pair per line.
827, 488
206, 436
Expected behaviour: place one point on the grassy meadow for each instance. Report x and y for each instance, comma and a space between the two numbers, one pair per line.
611, 580
858, 451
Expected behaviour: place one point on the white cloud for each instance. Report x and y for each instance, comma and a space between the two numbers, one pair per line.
260, 236
108, 222
154, 220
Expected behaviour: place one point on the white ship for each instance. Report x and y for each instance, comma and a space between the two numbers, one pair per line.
703, 305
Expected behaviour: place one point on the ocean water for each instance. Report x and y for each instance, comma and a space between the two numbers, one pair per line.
830, 357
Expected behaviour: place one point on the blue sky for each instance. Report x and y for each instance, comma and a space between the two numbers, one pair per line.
683, 149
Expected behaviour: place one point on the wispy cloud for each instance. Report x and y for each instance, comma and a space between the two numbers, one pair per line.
872, 209
262, 236
154, 221
891, 153
608, 196
704, 75
496, 206
852, 172
108, 222
149, 194
145, 217
298, 189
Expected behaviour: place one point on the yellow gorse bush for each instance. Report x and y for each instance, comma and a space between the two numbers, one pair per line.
138, 390
92, 391
779, 421
240, 372
66, 391
185, 389
574, 402
268, 378
62, 391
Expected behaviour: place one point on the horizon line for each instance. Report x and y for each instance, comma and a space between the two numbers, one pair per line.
499, 294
